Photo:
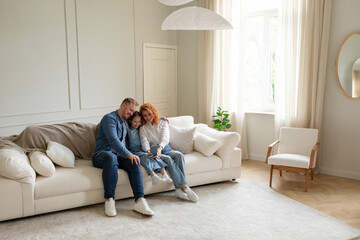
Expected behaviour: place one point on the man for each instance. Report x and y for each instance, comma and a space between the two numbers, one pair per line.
111, 153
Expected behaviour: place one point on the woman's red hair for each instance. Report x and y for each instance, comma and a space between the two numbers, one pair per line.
152, 110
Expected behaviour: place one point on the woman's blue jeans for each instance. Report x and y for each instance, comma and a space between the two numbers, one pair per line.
110, 163
175, 165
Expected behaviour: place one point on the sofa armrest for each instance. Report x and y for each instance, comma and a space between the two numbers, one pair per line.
228, 140
17, 199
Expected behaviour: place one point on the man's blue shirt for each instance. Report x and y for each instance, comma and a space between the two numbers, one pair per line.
111, 135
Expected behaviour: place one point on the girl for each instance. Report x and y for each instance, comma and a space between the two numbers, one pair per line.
156, 132
151, 165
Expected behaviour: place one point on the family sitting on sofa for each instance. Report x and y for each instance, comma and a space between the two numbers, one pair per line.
121, 128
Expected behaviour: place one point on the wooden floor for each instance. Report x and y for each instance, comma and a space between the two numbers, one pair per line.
334, 196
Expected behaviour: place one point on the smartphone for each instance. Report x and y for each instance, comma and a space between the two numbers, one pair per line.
153, 150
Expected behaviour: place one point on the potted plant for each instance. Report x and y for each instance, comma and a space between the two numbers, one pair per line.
221, 120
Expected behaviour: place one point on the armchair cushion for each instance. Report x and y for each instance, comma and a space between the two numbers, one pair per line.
297, 140
290, 160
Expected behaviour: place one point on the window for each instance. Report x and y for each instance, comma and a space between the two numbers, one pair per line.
261, 33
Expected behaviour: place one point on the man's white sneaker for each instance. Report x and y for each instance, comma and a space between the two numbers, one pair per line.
142, 207
110, 209
155, 179
166, 179
179, 193
192, 196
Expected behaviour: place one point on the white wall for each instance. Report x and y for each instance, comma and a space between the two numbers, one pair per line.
340, 151
67, 60
187, 73
260, 133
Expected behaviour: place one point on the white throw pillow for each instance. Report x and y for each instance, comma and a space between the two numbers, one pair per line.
60, 154
182, 139
42, 164
206, 145
16, 166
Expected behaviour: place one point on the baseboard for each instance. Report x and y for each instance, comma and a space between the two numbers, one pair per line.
258, 157
340, 173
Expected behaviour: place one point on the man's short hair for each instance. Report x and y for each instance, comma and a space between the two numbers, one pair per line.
130, 100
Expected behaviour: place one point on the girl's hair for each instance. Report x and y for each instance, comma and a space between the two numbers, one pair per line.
135, 114
152, 110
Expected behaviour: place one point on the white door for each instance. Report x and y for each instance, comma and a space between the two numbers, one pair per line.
160, 79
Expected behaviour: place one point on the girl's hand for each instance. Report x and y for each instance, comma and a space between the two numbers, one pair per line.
150, 154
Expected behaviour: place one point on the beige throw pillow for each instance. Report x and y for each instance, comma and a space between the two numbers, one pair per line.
206, 145
16, 166
182, 139
60, 154
42, 164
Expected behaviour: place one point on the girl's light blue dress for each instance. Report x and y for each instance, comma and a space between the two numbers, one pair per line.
150, 164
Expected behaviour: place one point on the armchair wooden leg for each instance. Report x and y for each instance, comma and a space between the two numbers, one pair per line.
280, 173
312, 174
306, 180
271, 173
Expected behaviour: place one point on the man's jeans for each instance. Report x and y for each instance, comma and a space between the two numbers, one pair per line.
110, 163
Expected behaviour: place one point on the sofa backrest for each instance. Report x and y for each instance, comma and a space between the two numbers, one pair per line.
182, 121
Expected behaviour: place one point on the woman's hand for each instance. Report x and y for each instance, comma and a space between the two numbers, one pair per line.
158, 154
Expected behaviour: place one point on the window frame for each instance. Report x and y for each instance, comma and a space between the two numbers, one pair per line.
267, 15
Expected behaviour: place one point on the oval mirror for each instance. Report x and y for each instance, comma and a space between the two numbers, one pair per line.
348, 66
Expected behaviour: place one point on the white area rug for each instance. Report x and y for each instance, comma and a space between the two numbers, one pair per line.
229, 210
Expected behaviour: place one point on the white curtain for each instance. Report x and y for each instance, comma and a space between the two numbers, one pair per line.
301, 63
221, 52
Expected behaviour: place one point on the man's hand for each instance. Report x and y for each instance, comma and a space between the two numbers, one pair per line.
134, 159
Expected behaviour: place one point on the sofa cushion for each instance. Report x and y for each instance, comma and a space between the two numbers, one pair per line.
196, 162
84, 177
181, 121
16, 166
60, 154
42, 164
205, 144
182, 139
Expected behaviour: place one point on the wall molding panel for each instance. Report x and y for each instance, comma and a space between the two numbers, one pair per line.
106, 52
64, 60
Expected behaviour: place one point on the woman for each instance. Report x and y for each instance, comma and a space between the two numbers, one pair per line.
155, 132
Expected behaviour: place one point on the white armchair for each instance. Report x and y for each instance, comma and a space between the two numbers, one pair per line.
296, 152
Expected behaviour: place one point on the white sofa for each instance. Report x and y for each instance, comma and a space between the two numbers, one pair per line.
82, 185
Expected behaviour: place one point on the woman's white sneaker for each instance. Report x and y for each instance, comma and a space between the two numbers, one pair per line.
179, 193
110, 209
192, 196
142, 207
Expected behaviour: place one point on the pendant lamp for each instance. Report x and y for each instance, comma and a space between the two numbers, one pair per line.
193, 18
174, 2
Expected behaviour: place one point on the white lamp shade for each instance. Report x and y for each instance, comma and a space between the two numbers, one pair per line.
195, 18
175, 2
